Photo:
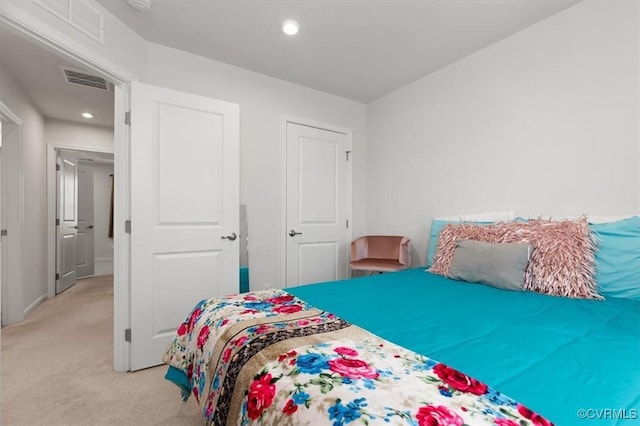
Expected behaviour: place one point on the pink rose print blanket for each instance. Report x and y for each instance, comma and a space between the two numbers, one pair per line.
270, 358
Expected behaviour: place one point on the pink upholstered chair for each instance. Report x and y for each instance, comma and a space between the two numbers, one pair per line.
380, 253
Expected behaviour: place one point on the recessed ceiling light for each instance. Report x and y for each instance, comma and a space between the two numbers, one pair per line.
87, 115
290, 27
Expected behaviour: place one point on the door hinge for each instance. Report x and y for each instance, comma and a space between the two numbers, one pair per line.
3, 232
347, 223
348, 154
57, 222
57, 277
127, 226
127, 335
57, 167
127, 118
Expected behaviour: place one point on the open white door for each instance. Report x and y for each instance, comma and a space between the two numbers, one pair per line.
316, 205
68, 218
184, 211
2, 255
85, 260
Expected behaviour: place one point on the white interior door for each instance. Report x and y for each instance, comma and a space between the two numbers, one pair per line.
68, 228
2, 231
184, 211
85, 259
316, 205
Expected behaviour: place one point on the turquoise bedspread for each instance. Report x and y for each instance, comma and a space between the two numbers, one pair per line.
556, 355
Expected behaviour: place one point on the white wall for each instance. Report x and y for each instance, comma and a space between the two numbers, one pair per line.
33, 250
263, 100
543, 122
83, 137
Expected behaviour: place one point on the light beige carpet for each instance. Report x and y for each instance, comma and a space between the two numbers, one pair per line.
57, 368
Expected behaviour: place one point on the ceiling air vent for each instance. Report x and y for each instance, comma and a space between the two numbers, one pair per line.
84, 79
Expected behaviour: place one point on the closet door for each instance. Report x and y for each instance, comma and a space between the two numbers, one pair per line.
317, 230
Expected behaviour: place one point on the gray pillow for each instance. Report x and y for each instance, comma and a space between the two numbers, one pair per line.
500, 265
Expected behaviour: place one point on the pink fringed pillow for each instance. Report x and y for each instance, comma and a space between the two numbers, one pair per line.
562, 262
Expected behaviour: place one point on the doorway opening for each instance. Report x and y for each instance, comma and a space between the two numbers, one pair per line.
50, 110
48, 41
84, 216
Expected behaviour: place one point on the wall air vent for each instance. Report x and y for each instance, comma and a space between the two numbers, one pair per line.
81, 15
84, 79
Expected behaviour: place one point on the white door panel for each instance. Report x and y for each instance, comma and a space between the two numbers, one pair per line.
318, 187
318, 262
68, 255
170, 307
68, 216
184, 201
85, 261
316, 205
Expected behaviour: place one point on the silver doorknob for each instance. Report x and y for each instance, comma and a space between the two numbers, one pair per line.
231, 237
90, 227
293, 233
76, 227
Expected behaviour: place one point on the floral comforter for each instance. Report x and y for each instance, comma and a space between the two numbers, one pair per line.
270, 358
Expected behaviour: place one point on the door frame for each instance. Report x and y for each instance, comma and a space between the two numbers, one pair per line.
290, 119
12, 216
53, 40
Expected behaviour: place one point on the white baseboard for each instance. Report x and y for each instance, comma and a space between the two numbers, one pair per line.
32, 307
103, 266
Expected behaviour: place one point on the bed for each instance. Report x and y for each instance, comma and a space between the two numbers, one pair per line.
466, 354
555, 355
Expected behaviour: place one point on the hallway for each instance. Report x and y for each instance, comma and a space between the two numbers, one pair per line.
57, 368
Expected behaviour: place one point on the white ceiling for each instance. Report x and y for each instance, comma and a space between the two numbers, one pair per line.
358, 49
37, 71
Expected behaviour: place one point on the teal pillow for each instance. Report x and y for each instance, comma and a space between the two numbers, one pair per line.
436, 227
618, 258
434, 234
